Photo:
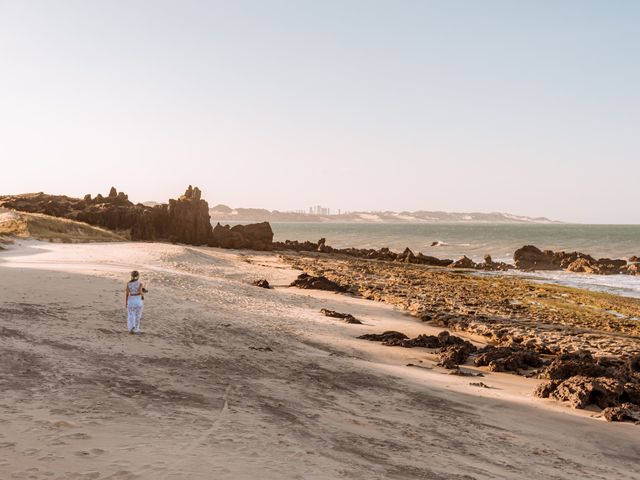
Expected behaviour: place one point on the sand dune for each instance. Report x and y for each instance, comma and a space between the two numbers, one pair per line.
230, 381
53, 229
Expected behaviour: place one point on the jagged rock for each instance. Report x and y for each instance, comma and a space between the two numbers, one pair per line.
261, 283
567, 365
507, 359
453, 355
347, 317
532, 258
603, 266
634, 259
581, 391
307, 281
627, 412
189, 220
185, 220
545, 389
407, 256
389, 335
464, 262
633, 269
256, 236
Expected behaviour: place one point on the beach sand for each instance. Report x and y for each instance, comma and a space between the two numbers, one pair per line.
231, 381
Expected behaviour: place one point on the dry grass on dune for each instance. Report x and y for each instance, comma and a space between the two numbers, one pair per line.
53, 229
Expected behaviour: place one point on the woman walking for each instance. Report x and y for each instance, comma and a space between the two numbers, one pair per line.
134, 302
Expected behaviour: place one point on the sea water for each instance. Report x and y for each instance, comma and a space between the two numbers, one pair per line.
498, 240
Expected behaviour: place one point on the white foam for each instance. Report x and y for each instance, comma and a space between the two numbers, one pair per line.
625, 285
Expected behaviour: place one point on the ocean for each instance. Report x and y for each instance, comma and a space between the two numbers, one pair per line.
498, 240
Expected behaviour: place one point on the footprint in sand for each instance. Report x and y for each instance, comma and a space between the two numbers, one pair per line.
78, 436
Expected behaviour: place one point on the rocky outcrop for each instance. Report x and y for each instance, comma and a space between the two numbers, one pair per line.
532, 258
464, 262
507, 359
257, 236
185, 220
407, 256
189, 220
609, 382
627, 412
603, 266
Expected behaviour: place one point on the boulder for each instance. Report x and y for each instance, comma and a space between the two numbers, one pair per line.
507, 359
530, 257
189, 220
626, 412
581, 391
256, 236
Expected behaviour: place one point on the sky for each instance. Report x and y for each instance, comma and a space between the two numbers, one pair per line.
526, 107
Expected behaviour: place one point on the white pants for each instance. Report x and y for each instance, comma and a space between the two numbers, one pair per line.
134, 313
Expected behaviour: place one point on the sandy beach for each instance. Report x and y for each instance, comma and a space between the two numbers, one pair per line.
231, 381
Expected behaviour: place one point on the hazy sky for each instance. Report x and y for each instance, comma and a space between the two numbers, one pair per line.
529, 107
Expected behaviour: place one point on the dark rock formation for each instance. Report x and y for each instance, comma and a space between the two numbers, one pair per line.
389, 335
347, 317
464, 262
185, 220
257, 236
567, 365
602, 266
407, 256
507, 359
626, 412
452, 352
581, 379
189, 220
261, 283
532, 258
453, 355
307, 281
581, 391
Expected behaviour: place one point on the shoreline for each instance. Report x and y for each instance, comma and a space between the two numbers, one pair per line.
318, 403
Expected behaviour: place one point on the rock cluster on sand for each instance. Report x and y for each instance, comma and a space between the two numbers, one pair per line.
307, 281
527, 323
532, 258
452, 350
582, 379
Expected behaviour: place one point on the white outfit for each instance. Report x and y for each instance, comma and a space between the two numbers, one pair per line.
134, 306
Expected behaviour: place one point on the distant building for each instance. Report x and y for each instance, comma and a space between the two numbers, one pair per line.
319, 210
